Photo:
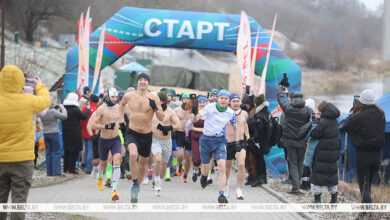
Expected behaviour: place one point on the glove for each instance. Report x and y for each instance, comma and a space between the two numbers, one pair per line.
194, 110
164, 129
152, 104
238, 146
187, 141
243, 107
110, 126
95, 138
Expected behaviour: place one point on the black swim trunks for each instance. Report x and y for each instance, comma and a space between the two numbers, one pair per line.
142, 141
232, 149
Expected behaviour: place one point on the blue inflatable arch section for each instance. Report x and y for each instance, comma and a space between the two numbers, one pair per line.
181, 29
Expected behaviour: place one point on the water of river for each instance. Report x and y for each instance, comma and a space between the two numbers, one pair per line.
342, 95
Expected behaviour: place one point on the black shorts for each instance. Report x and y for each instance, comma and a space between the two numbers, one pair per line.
181, 141
95, 146
232, 149
142, 141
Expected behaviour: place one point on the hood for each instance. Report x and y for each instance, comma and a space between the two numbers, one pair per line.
298, 102
330, 111
11, 79
260, 107
72, 99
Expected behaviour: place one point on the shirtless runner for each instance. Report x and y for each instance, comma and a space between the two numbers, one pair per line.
107, 119
183, 143
141, 106
234, 150
162, 143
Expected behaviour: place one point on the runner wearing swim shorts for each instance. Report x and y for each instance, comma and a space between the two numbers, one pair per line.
140, 105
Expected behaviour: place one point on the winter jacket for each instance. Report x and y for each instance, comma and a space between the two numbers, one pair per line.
71, 128
367, 128
50, 120
256, 127
311, 148
324, 167
296, 115
16, 115
93, 108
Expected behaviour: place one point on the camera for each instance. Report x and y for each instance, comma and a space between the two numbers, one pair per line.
313, 116
284, 82
30, 82
192, 96
355, 100
56, 107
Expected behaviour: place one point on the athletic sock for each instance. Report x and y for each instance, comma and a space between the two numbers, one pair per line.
167, 170
208, 175
185, 175
116, 176
135, 182
100, 172
157, 179
109, 171
221, 193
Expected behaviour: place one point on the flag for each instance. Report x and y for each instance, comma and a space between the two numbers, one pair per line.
81, 53
86, 31
99, 56
264, 74
244, 50
253, 64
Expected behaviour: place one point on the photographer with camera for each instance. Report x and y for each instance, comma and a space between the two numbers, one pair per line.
52, 137
367, 125
17, 134
296, 115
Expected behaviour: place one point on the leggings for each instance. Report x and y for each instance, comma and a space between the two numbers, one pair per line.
195, 135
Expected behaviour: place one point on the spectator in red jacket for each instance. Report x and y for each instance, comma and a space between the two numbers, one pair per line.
88, 153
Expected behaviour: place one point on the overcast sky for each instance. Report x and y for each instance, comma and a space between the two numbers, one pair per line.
372, 4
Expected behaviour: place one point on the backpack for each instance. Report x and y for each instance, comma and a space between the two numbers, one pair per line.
276, 131
272, 129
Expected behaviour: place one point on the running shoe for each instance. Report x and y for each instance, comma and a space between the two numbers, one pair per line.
157, 190
185, 179
239, 195
94, 173
167, 176
128, 175
209, 181
145, 181
194, 177
203, 182
150, 175
108, 183
100, 184
222, 199
180, 171
134, 190
114, 196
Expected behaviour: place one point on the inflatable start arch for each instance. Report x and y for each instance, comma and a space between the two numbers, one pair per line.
181, 29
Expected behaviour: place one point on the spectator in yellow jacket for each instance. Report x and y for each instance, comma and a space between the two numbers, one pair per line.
17, 134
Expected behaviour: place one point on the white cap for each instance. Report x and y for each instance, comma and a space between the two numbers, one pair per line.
367, 97
112, 92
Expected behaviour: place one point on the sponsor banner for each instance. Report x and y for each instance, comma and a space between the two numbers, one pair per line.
193, 207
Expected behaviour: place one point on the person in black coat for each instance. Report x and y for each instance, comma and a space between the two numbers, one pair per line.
367, 125
257, 131
324, 167
296, 115
71, 132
